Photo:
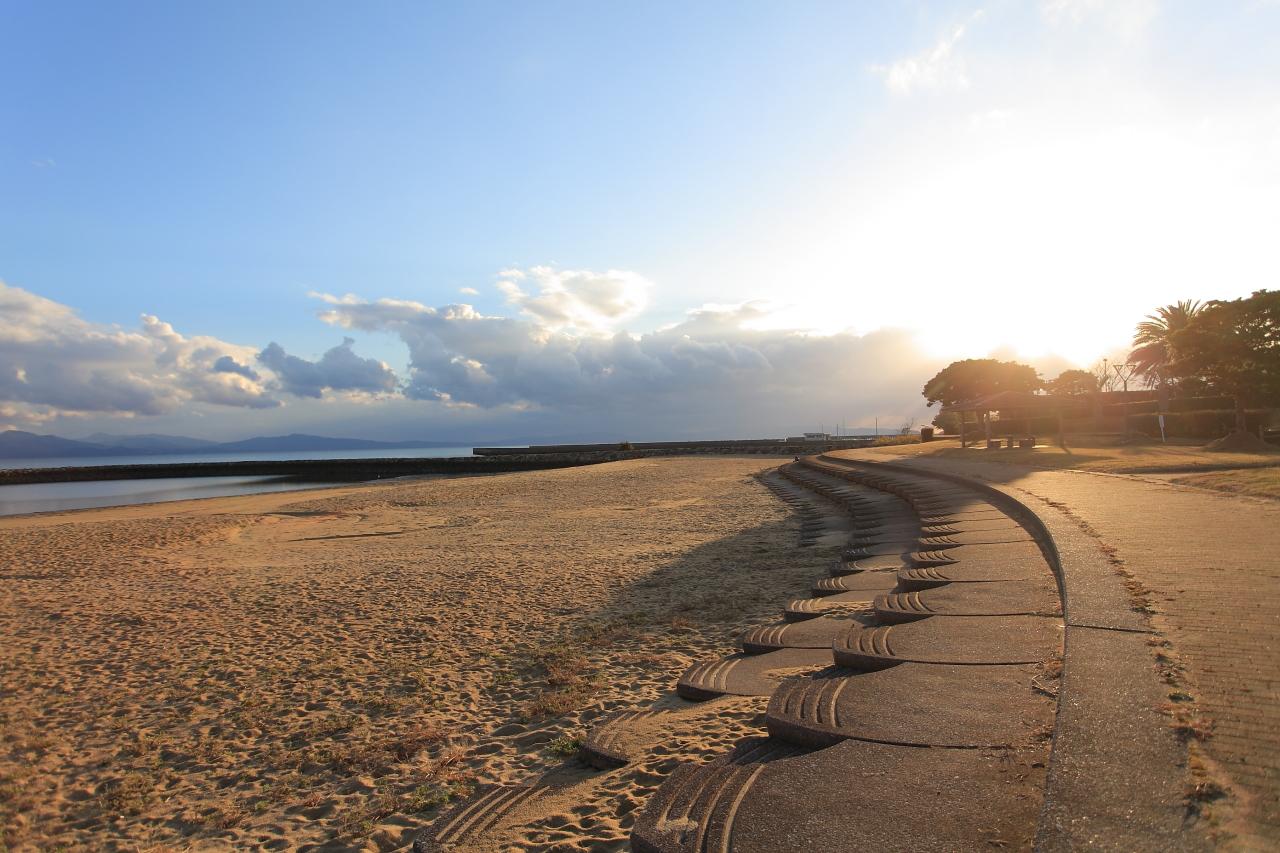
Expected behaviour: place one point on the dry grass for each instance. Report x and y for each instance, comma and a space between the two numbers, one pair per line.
1257, 482
1087, 455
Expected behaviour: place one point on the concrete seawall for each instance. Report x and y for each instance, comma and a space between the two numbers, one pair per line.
314, 470
488, 460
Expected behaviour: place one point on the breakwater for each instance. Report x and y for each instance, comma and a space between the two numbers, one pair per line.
311, 470
734, 446
488, 460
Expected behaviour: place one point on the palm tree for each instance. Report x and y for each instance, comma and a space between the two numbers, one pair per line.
1152, 353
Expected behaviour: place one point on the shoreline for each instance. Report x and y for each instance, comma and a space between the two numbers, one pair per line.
335, 666
484, 460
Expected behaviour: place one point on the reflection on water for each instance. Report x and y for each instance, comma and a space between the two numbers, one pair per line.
52, 497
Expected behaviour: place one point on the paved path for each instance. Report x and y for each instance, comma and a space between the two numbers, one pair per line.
1211, 565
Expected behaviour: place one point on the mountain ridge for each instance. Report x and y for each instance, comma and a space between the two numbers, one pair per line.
19, 444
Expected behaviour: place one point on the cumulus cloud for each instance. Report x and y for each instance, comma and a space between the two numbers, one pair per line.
52, 361
468, 291
189, 366
55, 364
563, 363
938, 69
227, 364
339, 369
575, 300
713, 365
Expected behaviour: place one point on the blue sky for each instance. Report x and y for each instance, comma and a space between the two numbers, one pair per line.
844, 169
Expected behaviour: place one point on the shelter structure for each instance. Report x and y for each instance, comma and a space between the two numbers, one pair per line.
1013, 404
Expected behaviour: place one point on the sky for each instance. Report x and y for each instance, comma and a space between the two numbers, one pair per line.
604, 221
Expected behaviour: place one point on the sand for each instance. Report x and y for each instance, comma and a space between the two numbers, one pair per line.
329, 668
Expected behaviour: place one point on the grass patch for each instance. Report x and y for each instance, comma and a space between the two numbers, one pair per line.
430, 795
1187, 722
895, 440
443, 782
569, 676
128, 795
1091, 454
374, 751
565, 746
1256, 482
359, 822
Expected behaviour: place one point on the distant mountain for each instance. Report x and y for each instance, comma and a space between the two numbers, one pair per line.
151, 442
299, 441
16, 444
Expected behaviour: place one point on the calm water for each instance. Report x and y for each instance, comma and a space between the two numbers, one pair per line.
54, 497
161, 459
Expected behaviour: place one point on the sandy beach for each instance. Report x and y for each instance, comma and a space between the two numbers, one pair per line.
328, 668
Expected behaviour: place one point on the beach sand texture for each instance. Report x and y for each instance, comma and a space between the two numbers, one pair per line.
329, 668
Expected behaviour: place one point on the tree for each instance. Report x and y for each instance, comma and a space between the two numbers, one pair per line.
1074, 383
974, 378
948, 422
979, 377
1233, 346
1152, 340
1102, 375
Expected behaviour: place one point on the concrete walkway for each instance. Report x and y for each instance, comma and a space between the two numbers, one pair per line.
1207, 566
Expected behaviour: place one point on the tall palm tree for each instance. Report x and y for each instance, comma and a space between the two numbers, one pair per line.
1152, 353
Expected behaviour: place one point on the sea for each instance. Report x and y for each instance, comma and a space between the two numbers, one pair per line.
56, 497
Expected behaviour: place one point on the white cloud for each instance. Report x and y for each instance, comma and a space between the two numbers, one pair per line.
1125, 18
576, 300
712, 367
54, 364
565, 363
938, 69
468, 291
196, 368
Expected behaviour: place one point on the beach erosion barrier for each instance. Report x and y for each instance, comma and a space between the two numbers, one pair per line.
487, 460
743, 445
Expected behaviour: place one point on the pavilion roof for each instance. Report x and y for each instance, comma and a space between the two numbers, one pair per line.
1011, 400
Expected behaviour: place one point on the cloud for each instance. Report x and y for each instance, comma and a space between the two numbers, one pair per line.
339, 369
563, 365
713, 368
53, 362
576, 300
468, 291
189, 368
227, 364
938, 69
1126, 18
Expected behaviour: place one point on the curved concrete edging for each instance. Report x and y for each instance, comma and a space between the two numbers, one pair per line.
1117, 771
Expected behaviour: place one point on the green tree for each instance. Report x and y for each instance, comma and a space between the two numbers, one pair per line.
979, 377
1073, 383
948, 422
975, 378
1152, 340
1234, 346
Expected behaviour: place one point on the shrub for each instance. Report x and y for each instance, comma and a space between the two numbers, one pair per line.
1203, 424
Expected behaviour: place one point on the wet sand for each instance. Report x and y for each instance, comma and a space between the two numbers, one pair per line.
326, 669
